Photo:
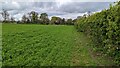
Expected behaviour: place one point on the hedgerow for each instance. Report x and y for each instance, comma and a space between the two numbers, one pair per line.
104, 29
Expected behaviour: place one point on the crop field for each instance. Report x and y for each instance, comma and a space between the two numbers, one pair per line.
46, 45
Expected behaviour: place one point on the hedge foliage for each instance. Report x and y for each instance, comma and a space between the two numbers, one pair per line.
104, 29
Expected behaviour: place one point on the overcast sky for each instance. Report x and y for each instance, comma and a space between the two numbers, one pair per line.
61, 8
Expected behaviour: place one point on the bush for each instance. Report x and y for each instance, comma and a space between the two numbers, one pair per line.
104, 29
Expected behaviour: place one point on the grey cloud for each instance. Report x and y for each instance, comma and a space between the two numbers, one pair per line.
67, 10
9, 5
83, 7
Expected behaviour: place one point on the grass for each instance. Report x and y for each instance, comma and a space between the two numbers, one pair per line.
47, 45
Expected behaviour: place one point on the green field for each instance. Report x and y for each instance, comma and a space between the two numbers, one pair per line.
47, 45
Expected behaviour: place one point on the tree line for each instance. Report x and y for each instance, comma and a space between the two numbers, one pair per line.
104, 29
36, 18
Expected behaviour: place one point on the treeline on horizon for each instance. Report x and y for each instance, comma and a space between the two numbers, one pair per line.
36, 18
104, 29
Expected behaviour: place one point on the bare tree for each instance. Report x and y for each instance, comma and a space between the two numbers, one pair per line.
5, 15
24, 19
12, 19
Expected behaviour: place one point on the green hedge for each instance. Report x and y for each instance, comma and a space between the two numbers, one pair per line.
104, 29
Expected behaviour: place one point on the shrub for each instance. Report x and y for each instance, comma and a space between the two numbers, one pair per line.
104, 29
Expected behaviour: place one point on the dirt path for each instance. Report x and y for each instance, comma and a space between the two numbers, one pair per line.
83, 55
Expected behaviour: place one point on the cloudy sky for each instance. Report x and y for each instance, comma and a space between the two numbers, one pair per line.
61, 8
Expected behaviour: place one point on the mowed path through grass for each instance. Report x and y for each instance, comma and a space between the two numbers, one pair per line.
46, 45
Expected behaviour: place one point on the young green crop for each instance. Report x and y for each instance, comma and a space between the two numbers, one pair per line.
45, 45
